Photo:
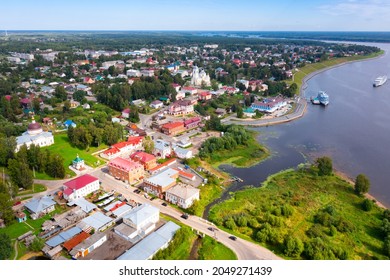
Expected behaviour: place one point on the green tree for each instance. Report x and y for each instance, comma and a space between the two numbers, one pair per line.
148, 144
293, 246
6, 212
20, 173
5, 246
324, 165
362, 184
60, 93
367, 204
240, 112
7, 150
37, 244
55, 167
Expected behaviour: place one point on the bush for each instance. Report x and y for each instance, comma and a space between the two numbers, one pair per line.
230, 224
325, 167
367, 205
293, 246
362, 184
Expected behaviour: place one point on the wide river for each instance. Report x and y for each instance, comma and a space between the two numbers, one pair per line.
354, 129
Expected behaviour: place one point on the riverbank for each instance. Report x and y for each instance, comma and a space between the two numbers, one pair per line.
321, 213
301, 77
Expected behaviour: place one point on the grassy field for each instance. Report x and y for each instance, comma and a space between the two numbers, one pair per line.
241, 156
210, 249
37, 188
323, 211
63, 147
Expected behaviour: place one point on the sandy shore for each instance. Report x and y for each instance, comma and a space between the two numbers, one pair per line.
352, 182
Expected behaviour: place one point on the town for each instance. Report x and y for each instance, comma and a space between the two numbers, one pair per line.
104, 152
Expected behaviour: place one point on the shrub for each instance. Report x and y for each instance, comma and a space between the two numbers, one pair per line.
293, 246
367, 205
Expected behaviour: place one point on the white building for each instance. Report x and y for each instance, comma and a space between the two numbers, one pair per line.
133, 73
142, 220
200, 77
34, 135
182, 195
80, 187
162, 149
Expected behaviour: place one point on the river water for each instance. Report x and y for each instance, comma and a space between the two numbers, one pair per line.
354, 129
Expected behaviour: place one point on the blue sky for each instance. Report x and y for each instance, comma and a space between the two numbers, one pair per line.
256, 15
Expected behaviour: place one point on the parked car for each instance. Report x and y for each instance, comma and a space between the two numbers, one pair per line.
184, 216
232, 237
164, 204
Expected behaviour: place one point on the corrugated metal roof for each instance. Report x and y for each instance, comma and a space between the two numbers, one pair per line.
141, 213
146, 248
63, 236
37, 205
85, 205
97, 220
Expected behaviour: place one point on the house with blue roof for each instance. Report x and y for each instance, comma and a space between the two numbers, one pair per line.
40, 206
68, 123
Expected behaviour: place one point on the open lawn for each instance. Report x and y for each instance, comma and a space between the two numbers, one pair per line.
210, 249
323, 213
63, 147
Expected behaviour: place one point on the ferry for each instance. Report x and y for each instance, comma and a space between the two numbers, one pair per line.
321, 98
380, 81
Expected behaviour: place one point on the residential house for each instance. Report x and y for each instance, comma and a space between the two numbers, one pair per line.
181, 107
173, 128
147, 160
97, 222
148, 247
176, 87
126, 113
86, 106
156, 104
162, 149
180, 95
205, 95
21, 217
184, 142
138, 102
80, 187
89, 80
147, 72
68, 123
158, 184
141, 220
126, 170
182, 195
124, 148
220, 112
133, 73
190, 90
192, 123
182, 153
40, 206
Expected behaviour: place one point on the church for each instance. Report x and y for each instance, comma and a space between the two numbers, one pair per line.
34, 135
200, 77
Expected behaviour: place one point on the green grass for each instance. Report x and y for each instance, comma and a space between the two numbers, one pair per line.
63, 147
17, 229
307, 194
241, 156
37, 188
211, 249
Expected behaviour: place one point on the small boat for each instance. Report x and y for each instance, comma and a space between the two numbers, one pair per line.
321, 98
380, 81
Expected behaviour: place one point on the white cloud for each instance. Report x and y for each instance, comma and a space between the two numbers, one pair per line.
355, 9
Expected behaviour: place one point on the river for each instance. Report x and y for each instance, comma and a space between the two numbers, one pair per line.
354, 129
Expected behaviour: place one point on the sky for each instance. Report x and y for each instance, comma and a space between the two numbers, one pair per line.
237, 15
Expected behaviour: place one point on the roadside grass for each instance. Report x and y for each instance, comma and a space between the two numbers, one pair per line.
210, 249
37, 188
307, 195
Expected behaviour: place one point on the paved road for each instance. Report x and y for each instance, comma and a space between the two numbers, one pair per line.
298, 112
244, 250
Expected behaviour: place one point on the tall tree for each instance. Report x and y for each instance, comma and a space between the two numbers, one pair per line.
5, 246
362, 184
6, 212
325, 166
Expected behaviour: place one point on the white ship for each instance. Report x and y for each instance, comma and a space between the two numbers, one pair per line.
380, 81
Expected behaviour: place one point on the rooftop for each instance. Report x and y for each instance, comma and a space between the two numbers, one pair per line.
183, 191
141, 213
163, 179
142, 156
37, 205
80, 182
124, 164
